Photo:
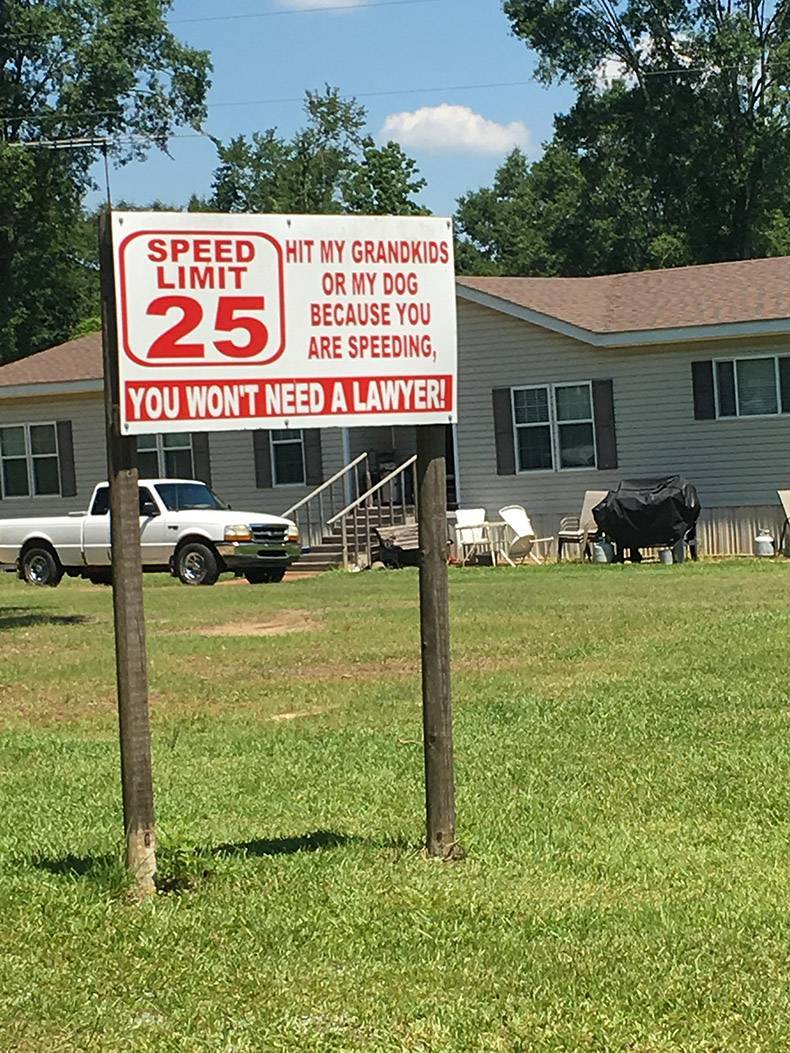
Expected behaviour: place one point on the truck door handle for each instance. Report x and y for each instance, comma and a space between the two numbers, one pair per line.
172, 528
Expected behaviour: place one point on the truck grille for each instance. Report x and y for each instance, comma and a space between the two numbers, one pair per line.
268, 535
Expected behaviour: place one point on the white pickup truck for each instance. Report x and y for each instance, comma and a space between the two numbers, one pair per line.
184, 529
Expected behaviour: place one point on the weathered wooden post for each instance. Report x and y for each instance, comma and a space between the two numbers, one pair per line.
435, 641
127, 575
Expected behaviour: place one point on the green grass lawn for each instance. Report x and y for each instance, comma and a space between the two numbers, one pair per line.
623, 791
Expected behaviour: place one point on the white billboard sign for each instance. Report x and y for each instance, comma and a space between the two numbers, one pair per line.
242, 321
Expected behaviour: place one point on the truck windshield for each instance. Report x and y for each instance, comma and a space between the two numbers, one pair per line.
188, 497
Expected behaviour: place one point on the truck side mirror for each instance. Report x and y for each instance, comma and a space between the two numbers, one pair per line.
149, 510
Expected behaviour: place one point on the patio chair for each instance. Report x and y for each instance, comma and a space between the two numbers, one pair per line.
523, 543
580, 530
471, 537
784, 497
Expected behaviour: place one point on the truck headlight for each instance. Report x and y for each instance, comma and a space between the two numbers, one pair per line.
240, 532
293, 535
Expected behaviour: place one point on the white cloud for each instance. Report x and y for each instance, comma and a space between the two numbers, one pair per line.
300, 5
610, 70
613, 68
449, 128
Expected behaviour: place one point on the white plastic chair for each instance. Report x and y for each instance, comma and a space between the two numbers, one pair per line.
523, 543
470, 533
578, 530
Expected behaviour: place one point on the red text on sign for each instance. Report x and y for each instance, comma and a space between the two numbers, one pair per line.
168, 346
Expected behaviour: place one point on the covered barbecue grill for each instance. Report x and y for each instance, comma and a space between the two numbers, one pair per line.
650, 513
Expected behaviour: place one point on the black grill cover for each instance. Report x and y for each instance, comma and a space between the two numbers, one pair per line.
642, 513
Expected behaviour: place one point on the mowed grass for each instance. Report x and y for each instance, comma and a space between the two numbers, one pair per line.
623, 790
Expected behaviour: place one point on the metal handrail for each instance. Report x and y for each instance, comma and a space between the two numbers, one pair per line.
329, 482
373, 489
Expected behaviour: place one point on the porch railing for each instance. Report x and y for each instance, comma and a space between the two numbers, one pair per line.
310, 514
384, 503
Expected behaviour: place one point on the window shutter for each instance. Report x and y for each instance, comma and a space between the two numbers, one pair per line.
68, 474
784, 382
605, 430
201, 457
263, 459
702, 383
503, 431
313, 463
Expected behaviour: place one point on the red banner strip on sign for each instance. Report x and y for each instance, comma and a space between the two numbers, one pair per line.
206, 400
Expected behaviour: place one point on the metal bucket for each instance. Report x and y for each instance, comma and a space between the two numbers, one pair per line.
602, 552
665, 555
764, 545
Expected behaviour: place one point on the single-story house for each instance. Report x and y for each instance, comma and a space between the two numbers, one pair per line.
565, 384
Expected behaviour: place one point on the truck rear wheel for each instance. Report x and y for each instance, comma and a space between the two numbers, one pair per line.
264, 577
197, 564
41, 567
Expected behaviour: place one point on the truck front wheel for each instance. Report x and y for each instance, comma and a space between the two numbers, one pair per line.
197, 564
40, 567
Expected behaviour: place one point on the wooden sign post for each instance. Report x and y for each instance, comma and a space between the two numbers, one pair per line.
127, 575
229, 322
435, 642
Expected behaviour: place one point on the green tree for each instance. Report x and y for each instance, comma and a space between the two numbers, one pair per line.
82, 71
330, 166
676, 149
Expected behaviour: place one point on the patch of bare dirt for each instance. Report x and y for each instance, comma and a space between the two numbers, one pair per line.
279, 624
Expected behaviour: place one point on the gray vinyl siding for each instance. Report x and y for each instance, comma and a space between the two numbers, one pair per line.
86, 413
232, 461
734, 463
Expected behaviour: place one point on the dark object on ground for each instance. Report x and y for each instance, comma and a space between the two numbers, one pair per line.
399, 546
648, 513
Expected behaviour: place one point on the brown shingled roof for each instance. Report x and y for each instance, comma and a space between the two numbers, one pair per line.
79, 359
712, 294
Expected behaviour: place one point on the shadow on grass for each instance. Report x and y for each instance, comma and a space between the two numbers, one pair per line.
286, 846
182, 869
25, 617
74, 866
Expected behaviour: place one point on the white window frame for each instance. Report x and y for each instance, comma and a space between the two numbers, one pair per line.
747, 416
554, 426
29, 459
290, 441
160, 454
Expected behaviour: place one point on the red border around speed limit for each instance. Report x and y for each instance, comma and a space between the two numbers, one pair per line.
197, 363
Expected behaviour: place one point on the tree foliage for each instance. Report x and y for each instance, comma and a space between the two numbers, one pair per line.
75, 70
329, 166
676, 150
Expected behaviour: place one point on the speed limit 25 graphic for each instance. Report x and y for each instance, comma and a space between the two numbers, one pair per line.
209, 298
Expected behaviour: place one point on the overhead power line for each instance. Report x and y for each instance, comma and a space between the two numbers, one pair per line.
280, 100
301, 11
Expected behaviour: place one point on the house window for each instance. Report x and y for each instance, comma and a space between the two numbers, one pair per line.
165, 456
29, 464
287, 457
749, 387
554, 427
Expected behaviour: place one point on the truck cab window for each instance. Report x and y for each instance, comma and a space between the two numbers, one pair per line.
101, 502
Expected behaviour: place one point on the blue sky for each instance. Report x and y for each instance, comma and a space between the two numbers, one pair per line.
457, 136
